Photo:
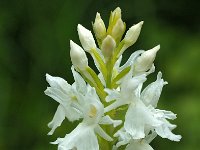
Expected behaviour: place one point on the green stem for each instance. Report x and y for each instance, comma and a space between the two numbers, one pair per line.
100, 93
95, 78
109, 69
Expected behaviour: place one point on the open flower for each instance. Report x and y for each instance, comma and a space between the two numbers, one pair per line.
83, 137
66, 95
145, 116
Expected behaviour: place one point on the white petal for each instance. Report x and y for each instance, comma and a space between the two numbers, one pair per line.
165, 132
152, 92
72, 114
129, 86
107, 120
165, 129
80, 83
137, 117
131, 60
112, 95
57, 82
123, 137
118, 62
57, 95
57, 119
114, 105
100, 75
138, 145
81, 138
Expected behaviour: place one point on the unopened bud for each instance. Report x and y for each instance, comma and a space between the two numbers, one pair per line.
115, 18
99, 27
108, 46
116, 14
145, 61
118, 30
78, 56
86, 38
133, 33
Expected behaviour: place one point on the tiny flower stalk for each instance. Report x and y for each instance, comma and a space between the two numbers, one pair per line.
114, 109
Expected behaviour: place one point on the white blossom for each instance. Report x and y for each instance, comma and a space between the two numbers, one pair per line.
83, 137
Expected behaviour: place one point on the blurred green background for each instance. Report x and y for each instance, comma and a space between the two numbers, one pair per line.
34, 40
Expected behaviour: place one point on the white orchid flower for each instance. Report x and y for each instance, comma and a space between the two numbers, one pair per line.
84, 136
65, 95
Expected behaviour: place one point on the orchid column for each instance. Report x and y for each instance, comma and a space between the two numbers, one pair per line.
114, 110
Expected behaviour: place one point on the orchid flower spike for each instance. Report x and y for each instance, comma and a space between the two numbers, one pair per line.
114, 95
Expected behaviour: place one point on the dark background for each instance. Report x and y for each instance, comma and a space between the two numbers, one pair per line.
34, 40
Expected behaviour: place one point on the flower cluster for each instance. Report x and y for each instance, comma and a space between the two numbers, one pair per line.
114, 109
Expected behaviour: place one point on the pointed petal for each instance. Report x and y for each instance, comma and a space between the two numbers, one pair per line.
57, 82
79, 82
57, 119
114, 105
57, 95
152, 92
112, 95
107, 120
165, 132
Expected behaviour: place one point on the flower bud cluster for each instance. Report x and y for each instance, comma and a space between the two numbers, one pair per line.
113, 97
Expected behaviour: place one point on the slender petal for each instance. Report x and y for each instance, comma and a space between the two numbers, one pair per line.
57, 119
